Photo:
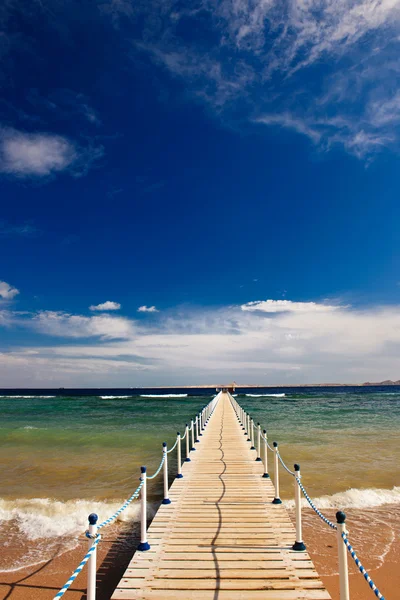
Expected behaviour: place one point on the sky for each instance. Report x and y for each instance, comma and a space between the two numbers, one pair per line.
199, 192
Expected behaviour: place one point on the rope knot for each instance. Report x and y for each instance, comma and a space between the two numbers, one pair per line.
91, 536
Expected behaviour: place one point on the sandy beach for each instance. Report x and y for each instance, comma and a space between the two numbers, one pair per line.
375, 538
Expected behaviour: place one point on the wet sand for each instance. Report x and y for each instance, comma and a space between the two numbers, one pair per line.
374, 533
43, 581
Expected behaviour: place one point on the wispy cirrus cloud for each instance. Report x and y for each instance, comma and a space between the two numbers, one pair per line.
63, 102
277, 306
24, 154
25, 229
323, 69
60, 324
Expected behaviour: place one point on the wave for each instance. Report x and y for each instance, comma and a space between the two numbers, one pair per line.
49, 527
265, 395
164, 395
112, 397
47, 518
27, 397
354, 498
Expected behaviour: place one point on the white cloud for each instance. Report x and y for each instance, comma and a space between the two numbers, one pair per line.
275, 306
108, 305
246, 60
66, 325
270, 342
7, 292
289, 121
25, 154
147, 309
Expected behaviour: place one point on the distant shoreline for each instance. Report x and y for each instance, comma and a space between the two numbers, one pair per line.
211, 386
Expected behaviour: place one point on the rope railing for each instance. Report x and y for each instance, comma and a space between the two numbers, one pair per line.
78, 569
123, 507
315, 509
174, 446
284, 466
92, 534
362, 570
158, 470
343, 543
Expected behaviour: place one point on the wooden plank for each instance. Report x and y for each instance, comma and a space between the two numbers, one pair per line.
221, 538
148, 594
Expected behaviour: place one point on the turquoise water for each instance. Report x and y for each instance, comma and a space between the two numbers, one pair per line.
63, 457
92, 446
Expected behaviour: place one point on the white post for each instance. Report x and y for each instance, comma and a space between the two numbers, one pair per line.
179, 456
258, 442
91, 575
248, 428
252, 435
192, 427
166, 499
265, 458
299, 545
201, 423
144, 544
197, 429
342, 550
277, 499
187, 459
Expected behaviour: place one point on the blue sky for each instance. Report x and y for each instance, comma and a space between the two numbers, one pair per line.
192, 159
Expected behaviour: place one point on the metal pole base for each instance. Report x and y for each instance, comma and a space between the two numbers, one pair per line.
192, 449
299, 546
258, 459
197, 441
143, 546
166, 501
248, 439
276, 501
187, 459
266, 475
179, 476
252, 448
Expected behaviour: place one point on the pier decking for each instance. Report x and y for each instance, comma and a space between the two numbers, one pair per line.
221, 538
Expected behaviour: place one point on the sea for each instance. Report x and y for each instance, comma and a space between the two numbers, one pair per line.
65, 453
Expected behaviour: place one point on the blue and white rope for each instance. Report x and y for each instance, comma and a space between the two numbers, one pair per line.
78, 569
173, 447
159, 468
361, 568
310, 502
123, 507
284, 466
266, 441
183, 437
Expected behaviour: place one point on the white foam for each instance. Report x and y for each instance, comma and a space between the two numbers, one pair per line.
112, 397
266, 395
30, 427
354, 498
50, 527
39, 518
164, 396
